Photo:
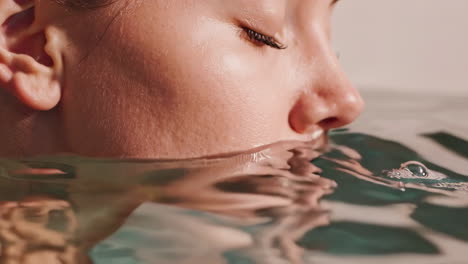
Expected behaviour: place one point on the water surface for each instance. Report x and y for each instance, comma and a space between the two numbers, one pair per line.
392, 188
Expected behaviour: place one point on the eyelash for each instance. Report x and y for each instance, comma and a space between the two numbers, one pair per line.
267, 40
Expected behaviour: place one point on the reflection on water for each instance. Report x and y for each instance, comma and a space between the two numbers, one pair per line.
277, 204
250, 206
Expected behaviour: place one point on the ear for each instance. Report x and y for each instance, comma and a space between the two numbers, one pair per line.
30, 59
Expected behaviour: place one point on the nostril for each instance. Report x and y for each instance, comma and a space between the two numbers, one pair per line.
328, 122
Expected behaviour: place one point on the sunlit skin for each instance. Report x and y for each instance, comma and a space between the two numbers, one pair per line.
168, 79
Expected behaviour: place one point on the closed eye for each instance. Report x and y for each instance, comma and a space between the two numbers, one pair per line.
260, 38
334, 2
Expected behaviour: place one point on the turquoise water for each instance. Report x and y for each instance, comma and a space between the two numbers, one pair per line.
392, 188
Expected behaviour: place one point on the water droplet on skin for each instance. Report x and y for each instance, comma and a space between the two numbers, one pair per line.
417, 170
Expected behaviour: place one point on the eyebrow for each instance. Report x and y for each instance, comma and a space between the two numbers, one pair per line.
335, 1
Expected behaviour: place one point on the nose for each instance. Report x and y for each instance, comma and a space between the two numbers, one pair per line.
328, 101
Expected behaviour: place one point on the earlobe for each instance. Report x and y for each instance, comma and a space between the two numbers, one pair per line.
35, 85
30, 61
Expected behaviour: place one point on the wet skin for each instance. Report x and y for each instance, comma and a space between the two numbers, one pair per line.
168, 79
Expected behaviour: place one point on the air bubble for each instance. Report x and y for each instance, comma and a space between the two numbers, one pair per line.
417, 170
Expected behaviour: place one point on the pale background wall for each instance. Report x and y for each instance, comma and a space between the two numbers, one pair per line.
404, 45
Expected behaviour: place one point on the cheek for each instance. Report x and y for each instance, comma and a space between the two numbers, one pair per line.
189, 88
206, 71
233, 85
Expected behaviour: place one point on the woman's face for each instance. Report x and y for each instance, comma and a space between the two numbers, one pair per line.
189, 78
